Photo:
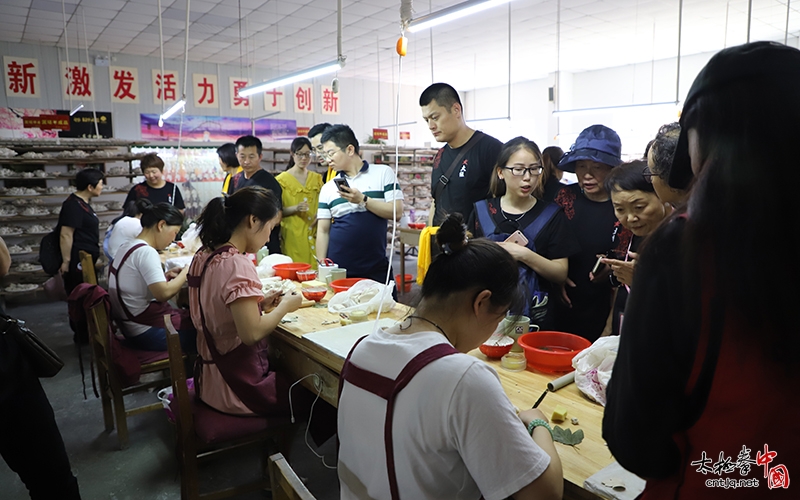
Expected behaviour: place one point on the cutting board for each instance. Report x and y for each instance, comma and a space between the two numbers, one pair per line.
340, 340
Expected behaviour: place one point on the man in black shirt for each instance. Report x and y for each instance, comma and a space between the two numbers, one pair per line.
155, 188
463, 167
248, 152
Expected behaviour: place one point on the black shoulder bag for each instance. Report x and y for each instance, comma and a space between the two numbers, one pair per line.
444, 179
43, 361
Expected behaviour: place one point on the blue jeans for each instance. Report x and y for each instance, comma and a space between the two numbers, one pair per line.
155, 339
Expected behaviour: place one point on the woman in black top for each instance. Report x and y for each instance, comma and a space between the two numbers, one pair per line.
551, 175
78, 226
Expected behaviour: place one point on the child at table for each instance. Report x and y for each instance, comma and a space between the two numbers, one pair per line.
226, 303
454, 433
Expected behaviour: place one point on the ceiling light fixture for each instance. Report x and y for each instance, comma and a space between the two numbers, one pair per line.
452, 13
590, 111
171, 111
306, 74
77, 108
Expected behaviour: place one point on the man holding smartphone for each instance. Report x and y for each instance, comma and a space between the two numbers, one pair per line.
354, 208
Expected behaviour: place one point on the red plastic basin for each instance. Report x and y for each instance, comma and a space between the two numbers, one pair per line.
344, 284
289, 271
551, 352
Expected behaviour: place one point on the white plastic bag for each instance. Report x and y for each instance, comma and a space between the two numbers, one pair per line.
593, 367
365, 296
191, 238
264, 267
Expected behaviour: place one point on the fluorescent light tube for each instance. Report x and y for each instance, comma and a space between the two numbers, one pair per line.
77, 108
452, 13
589, 111
322, 69
171, 111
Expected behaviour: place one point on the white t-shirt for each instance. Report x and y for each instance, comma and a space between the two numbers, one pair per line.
456, 434
125, 230
143, 268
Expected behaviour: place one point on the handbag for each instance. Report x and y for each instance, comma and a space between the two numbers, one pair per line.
43, 360
50, 252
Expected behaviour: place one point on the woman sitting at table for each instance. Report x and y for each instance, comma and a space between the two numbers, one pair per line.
226, 301
138, 287
454, 434
542, 241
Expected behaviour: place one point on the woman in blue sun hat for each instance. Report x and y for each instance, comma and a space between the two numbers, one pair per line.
587, 295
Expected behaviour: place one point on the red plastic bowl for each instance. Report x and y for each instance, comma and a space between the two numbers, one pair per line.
497, 349
344, 284
289, 271
551, 352
307, 275
315, 294
416, 225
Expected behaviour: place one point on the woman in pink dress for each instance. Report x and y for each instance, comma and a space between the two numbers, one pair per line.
232, 316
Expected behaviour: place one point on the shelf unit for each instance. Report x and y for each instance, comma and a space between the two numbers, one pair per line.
414, 175
60, 172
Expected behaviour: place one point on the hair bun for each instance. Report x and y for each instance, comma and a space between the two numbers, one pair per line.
144, 204
452, 234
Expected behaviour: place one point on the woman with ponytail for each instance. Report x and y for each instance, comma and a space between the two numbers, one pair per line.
455, 433
300, 199
232, 372
138, 287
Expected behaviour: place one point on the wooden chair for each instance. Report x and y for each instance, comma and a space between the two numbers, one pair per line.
204, 433
112, 387
285, 483
87, 268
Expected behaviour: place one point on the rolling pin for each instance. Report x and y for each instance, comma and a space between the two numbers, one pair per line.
561, 382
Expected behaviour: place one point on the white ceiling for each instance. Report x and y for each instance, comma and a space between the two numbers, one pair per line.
288, 35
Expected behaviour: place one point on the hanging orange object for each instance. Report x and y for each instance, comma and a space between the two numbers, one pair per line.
402, 46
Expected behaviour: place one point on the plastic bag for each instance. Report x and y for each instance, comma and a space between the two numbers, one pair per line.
191, 238
593, 367
365, 296
165, 396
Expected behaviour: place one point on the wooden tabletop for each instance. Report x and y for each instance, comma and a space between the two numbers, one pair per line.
303, 357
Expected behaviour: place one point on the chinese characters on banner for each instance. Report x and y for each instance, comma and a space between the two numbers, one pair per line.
303, 98
22, 76
169, 84
330, 101
77, 80
405, 136
236, 101
274, 100
206, 90
124, 84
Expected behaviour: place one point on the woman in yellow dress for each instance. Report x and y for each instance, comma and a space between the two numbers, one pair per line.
300, 199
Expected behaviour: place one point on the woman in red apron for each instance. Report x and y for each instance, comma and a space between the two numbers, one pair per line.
419, 418
140, 290
231, 314
709, 355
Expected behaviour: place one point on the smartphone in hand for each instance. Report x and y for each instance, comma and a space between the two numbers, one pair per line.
340, 183
518, 238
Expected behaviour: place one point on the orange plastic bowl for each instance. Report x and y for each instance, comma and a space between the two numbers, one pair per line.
344, 284
307, 275
416, 225
497, 348
289, 271
551, 352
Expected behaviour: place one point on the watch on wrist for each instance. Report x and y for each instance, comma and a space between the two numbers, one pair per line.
539, 423
363, 202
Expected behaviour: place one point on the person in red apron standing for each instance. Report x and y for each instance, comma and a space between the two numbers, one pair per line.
139, 289
419, 418
232, 374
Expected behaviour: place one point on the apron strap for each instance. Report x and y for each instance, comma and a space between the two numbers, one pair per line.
115, 270
388, 389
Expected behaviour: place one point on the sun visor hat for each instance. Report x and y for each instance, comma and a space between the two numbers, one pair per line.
596, 143
756, 60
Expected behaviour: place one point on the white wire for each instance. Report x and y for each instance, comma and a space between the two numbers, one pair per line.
397, 184
318, 384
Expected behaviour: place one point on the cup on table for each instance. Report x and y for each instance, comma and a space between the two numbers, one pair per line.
514, 327
335, 274
323, 271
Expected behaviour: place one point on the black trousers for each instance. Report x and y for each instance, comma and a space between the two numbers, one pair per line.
30, 441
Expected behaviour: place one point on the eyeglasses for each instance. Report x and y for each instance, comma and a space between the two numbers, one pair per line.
303, 155
328, 154
520, 171
647, 174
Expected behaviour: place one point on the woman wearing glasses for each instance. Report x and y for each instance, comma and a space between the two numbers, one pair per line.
533, 231
300, 198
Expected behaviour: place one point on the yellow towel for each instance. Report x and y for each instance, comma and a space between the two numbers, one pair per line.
424, 257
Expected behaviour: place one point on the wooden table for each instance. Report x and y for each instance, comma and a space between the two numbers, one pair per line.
300, 357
